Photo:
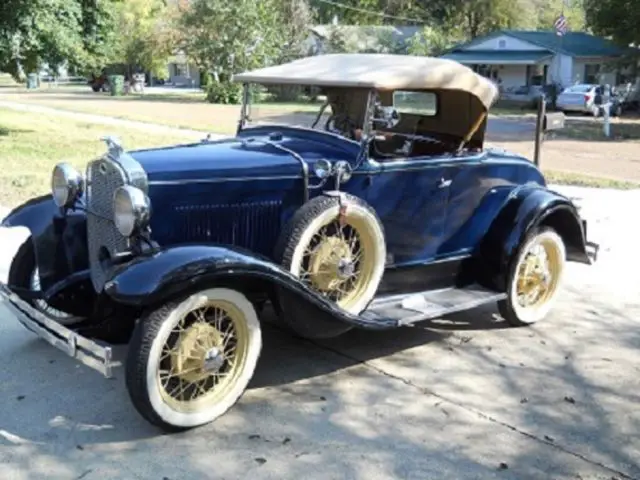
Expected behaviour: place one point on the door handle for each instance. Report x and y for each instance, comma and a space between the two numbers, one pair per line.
442, 183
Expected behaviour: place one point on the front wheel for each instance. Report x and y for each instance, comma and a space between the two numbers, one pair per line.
337, 248
534, 278
190, 361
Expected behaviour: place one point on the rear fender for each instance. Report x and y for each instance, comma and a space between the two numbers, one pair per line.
60, 240
156, 278
526, 209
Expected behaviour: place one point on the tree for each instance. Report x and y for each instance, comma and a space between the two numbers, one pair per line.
299, 18
33, 32
429, 42
618, 19
99, 34
225, 37
145, 38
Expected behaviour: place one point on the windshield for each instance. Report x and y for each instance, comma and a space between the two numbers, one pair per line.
289, 105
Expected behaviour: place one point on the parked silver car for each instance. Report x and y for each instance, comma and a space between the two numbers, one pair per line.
587, 98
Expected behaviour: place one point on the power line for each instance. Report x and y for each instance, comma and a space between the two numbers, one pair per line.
369, 12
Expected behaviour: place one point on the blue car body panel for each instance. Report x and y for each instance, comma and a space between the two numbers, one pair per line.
236, 195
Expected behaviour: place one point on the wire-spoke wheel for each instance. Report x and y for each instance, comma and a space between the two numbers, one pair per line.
338, 250
190, 361
535, 278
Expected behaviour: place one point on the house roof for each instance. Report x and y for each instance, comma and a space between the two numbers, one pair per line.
574, 44
376, 70
513, 57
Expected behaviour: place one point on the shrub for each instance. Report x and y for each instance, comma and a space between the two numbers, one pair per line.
224, 92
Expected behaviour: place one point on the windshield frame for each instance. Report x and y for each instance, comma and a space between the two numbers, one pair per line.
245, 121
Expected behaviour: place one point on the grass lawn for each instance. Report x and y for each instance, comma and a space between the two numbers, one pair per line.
622, 129
179, 109
30, 145
581, 180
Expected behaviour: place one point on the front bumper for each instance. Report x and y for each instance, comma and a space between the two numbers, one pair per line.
87, 351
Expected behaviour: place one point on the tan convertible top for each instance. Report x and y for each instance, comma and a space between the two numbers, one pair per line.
379, 71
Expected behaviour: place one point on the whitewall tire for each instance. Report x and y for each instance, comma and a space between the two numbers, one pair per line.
191, 360
534, 278
337, 248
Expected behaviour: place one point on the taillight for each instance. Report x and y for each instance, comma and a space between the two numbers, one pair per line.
587, 98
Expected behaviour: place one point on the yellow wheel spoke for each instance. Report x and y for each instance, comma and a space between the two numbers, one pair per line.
202, 355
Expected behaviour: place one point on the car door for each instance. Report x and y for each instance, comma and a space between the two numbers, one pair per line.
476, 190
409, 196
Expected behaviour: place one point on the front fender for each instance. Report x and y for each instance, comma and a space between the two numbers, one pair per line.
156, 278
528, 208
59, 239
35, 214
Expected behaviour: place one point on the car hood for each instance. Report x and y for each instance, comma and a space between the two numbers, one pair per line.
223, 158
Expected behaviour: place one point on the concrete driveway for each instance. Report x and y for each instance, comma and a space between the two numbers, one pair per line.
461, 398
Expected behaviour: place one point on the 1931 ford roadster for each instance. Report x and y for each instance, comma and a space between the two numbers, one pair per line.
388, 213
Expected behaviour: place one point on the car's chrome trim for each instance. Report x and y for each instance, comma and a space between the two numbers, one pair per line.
82, 349
223, 179
303, 164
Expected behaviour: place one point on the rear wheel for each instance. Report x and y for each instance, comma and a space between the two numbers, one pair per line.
24, 274
534, 278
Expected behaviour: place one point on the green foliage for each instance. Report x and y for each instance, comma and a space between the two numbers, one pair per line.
224, 38
33, 32
224, 92
429, 42
99, 35
144, 36
547, 11
618, 19
297, 17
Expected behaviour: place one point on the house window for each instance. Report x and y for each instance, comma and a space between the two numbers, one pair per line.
591, 73
420, 103
180, 69
502, 43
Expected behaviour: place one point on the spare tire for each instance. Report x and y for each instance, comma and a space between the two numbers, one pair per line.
335, 245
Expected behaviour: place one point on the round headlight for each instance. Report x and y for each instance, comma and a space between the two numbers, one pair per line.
131, 209
66, 184
322, 168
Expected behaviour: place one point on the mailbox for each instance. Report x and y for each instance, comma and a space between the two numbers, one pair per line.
553, 121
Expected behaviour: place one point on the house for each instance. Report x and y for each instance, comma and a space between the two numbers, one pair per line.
515, 58
363, 38
182, 72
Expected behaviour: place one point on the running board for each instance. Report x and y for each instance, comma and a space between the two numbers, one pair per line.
415, 307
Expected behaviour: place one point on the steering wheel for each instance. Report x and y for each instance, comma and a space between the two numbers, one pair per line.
342, 124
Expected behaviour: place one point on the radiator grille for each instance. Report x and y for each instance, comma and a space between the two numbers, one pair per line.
105, 177
254, 226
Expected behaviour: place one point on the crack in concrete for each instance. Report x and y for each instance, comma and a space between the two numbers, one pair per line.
426, 391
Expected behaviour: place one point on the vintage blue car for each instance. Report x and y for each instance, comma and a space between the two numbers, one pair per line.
381, 210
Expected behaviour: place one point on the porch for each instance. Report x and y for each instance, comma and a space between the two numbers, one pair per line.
508, 69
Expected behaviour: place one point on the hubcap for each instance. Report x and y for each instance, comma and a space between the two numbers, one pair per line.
339, 260
538, 274
203, 356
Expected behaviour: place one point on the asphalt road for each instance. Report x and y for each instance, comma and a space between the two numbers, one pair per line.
462, 398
